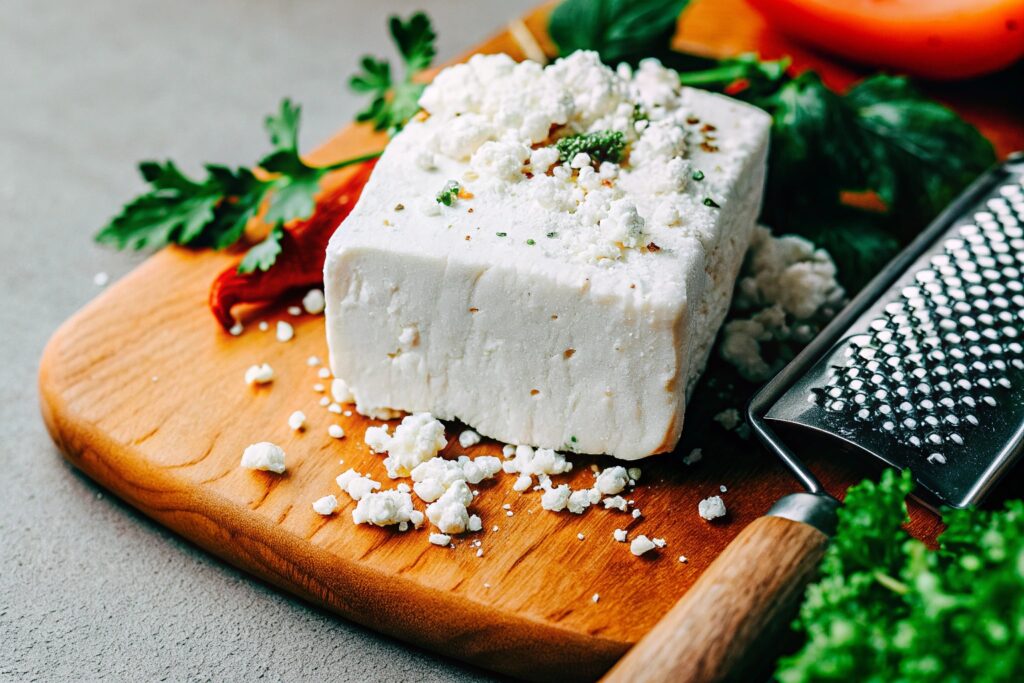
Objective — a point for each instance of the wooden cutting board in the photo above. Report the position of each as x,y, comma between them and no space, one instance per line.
144,393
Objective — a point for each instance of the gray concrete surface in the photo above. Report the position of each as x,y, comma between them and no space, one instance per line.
88,588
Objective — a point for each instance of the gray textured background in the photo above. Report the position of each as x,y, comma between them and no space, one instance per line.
88,588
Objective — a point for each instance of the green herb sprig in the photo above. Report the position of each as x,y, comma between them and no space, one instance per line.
214,211
888,608
449,193
394,101
603,145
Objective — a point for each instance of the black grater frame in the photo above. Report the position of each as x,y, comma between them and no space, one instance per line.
826,342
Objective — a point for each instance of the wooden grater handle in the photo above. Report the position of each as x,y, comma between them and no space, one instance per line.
724,625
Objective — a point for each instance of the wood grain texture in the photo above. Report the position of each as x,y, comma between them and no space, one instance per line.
733,612
144,393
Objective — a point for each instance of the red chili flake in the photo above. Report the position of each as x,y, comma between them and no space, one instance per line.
653,247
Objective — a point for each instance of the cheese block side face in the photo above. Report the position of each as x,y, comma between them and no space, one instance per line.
563,295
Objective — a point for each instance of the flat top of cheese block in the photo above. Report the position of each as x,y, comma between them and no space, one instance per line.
489,132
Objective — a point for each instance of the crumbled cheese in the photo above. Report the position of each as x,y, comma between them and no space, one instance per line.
479,553
324,401
386,508
297,420
693,456
448,513
612,480
336,431
334,408
556,499
620,535
440,539
475,523
323,373
508,450
314,302
729,419
259,374
659,542
468,438
327,505
294,311
434,476
788,291
312,361
640,545
580,536
264,456
578,501
615,503
236,329
263,326
377,438
285,331
341,391
529,462
319,388
636,514
416,440
722,488
595,597
682,558
356,485
711,508
100,279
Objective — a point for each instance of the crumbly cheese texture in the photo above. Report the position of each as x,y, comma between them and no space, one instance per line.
264,456
557,302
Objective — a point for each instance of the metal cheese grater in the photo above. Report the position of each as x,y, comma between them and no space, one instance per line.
925,368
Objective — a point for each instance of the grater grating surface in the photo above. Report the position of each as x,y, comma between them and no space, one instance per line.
927,369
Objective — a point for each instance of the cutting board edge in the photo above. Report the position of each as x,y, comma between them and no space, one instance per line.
482,635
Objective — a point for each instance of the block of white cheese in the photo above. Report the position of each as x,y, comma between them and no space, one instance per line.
546,253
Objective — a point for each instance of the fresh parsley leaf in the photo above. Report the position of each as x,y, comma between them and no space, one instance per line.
449,193
887,608
393,102
602,145
263,255
619,30
215,211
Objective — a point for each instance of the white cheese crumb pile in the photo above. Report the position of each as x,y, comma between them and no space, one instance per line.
386,508
285,331
314,302
259,374
356,485
417,439
641,544
529,462
264,456
297,421
468,438
711,508
327,505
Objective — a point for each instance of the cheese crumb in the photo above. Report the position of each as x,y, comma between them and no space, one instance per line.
634,473
377,438
356,485
580,536
636,514
334,408
449,513
729,419
693,456
417,439
285,331
440,539
314,302
323,373
312,361
264,456
722,488
660,542
297,420
319,388
595,597
236,330
556,499
529,462
264,326
468,438
620,535
386,508
640,545
615,503
711,508
336,431
259,374
682,558
294,311
612,480
475,523
100,279
326,505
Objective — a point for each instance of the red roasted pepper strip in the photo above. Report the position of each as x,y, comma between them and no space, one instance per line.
301,261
